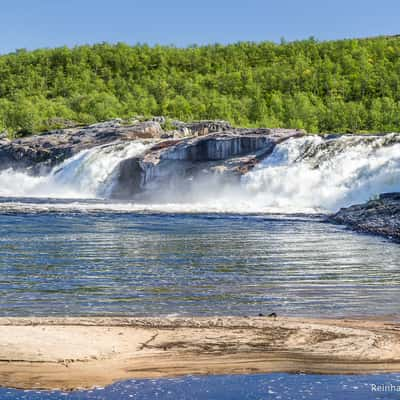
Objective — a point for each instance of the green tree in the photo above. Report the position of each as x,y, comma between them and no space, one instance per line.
331,86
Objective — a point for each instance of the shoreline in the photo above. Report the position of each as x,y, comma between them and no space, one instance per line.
80,353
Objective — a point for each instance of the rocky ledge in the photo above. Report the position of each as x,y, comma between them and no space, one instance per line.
41,152
223,155
183,153
380,216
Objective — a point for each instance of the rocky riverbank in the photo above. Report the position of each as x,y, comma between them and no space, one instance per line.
379,216
71,353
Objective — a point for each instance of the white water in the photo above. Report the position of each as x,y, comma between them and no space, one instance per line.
309,174
338,173
82,176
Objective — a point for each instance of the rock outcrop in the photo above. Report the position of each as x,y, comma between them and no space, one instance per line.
200,128
190,151
39,153
380,216
227,154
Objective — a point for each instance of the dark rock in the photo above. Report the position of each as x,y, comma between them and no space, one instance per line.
161,120
394,196
380,216
129,179
226,155
271,315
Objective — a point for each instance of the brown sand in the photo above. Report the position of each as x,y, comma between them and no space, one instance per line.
71,353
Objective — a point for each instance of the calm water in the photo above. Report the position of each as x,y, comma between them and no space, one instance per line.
115,263
248,387
55,260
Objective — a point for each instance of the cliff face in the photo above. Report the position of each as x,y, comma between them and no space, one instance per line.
217,147
227,154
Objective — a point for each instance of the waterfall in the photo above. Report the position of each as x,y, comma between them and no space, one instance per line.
308,174
85,175
314,174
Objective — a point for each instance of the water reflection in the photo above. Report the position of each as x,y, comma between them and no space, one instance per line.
159,264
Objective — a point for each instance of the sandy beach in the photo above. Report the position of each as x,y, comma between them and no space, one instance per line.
72,353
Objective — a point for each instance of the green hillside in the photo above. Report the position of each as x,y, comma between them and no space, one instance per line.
337,86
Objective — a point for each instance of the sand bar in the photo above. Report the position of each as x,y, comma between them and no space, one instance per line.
72,353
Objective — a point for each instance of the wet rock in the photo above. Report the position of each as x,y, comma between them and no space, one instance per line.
213,148
380,216
130,179
226,155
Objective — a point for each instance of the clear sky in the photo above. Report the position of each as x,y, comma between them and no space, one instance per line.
47,23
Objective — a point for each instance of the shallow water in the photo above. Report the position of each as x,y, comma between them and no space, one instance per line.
234,387
118,263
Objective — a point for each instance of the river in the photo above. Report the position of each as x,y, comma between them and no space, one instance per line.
261,247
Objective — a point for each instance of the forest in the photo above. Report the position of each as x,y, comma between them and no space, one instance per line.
333,86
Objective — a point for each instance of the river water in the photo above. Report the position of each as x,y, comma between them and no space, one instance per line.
137,264
234,387
56,260
262,246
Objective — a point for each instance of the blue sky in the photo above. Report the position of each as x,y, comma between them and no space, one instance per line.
47,23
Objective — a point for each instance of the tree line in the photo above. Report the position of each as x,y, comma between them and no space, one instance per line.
335,86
